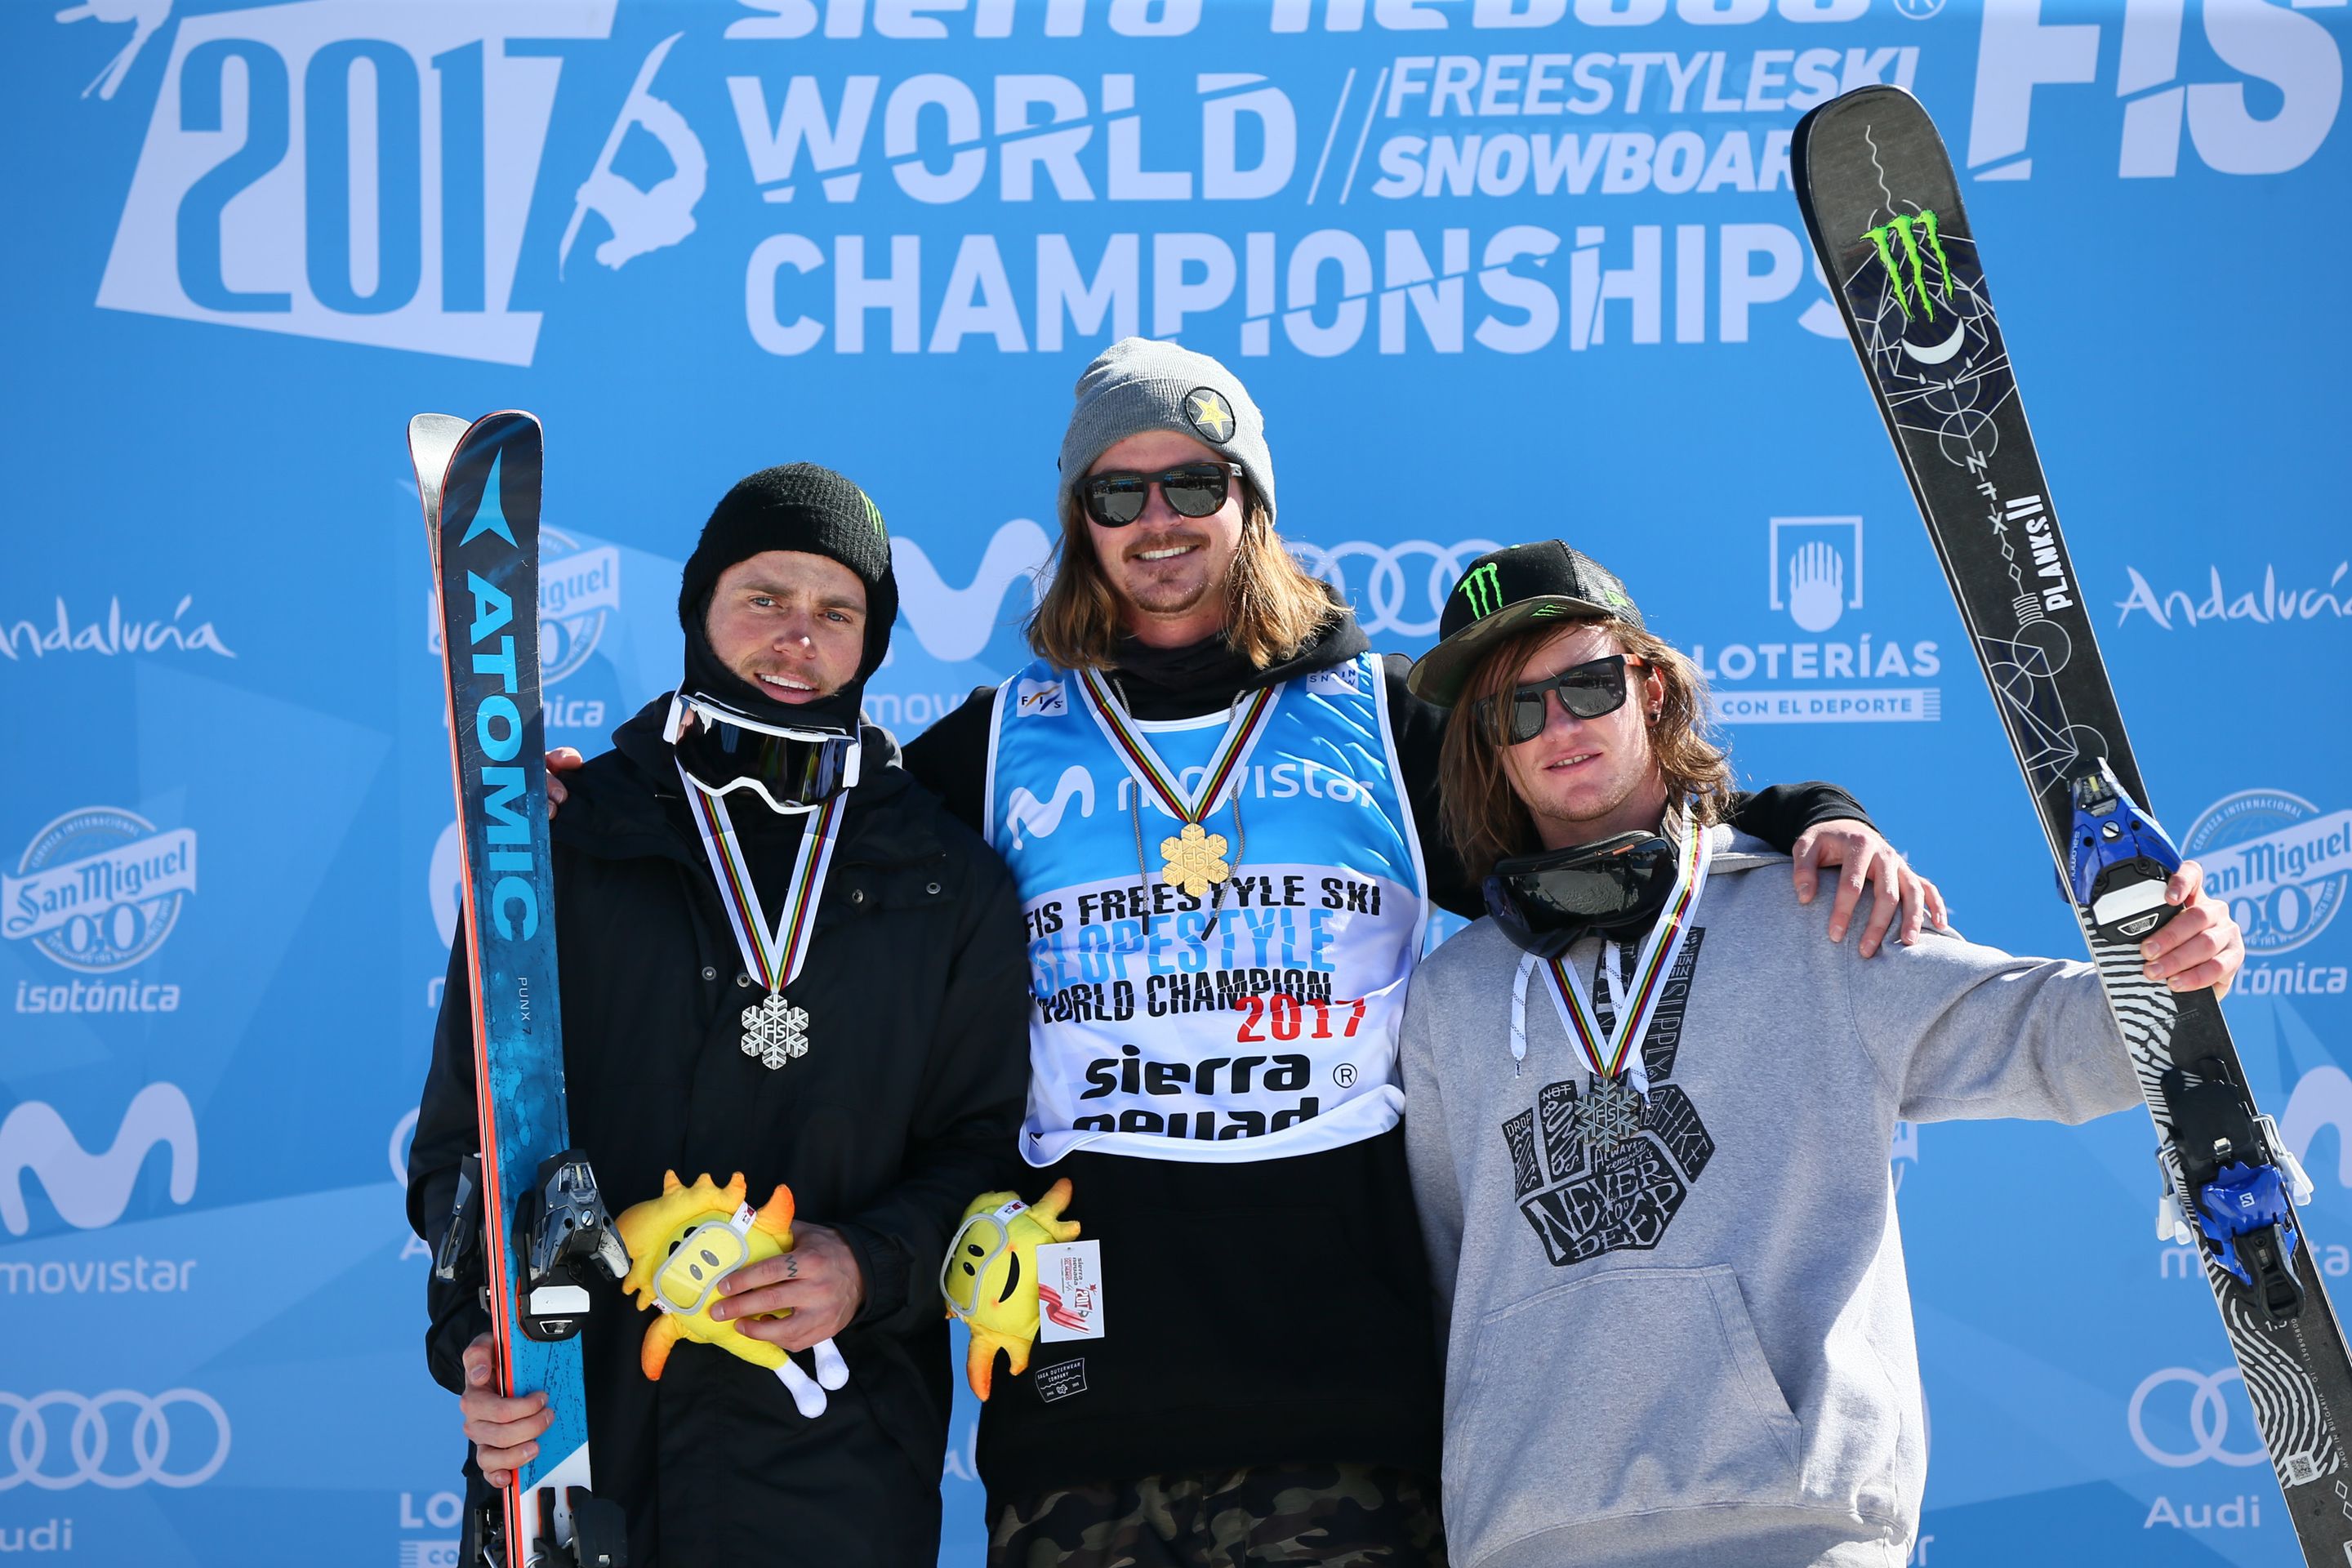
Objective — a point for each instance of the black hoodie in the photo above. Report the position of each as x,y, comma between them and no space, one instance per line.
1271,1312
905,1105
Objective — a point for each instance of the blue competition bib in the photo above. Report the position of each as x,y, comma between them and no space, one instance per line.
1258,1019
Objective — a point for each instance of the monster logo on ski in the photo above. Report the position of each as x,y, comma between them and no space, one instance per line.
1882,209
528,1222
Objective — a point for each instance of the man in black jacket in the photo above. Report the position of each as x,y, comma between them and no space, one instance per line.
1212,1035
885,1090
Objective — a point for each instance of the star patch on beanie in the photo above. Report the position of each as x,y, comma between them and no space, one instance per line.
1141,384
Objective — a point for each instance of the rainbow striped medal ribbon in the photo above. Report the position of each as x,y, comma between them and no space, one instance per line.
1192,859
776,1031
1619,1073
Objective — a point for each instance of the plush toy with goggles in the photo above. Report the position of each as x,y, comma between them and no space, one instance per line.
687,1240
988,1277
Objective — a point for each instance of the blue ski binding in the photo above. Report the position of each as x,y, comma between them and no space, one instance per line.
2118,860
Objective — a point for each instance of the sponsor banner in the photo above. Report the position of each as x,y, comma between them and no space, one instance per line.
1494,270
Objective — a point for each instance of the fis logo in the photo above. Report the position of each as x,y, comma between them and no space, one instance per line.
1903,262
2233,128
1482,590
98,889
90,1190
1042,699
247,210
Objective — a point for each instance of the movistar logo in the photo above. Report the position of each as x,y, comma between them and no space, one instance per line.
1908,232
1483,588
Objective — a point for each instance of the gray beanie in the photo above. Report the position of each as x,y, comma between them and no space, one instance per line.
1141,383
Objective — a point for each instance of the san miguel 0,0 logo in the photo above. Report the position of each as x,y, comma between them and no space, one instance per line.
98,890
2284,865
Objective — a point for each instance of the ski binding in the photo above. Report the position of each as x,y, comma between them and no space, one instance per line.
561,1228
2245,1182
2119,858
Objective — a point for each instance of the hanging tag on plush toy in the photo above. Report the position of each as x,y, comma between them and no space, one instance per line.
1069,1291
989,1276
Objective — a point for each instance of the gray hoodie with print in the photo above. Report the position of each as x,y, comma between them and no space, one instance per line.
1701,1351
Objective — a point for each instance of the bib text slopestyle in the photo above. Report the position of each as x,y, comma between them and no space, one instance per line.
1198,1018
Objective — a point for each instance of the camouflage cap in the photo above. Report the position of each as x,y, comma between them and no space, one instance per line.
1506,589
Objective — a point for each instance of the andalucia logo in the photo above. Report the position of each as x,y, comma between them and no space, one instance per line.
1899,245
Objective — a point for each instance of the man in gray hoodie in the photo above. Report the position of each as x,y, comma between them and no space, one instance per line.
1648,1110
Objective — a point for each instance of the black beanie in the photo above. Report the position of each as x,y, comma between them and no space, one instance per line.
801,507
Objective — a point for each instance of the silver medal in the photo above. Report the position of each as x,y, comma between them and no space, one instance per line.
1610,1114
776,1031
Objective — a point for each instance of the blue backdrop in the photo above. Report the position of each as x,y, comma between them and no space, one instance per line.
1496,269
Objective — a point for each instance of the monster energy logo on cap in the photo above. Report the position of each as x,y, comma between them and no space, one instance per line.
874,515
1483,587
1908,232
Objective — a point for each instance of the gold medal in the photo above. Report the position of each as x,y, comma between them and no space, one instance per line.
1195,859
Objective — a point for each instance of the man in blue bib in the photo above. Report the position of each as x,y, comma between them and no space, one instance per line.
1220,811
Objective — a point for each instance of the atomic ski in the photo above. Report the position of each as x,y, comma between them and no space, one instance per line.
1883,206
528,1222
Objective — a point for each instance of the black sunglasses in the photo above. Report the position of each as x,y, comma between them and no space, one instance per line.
1586,691
1194,490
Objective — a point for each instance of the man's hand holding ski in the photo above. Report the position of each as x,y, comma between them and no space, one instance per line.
504,1431
2201,946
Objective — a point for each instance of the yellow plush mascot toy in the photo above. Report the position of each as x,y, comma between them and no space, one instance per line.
687,1240
989,1276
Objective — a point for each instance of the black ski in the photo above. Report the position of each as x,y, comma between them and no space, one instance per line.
1883,206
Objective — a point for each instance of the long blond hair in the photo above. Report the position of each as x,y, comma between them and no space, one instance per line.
1275,607
1483,817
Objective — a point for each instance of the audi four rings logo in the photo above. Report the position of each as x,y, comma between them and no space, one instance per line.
88,1439
2209,1419
1388,583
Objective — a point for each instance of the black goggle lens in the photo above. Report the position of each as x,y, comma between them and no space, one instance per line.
794,770
1115,500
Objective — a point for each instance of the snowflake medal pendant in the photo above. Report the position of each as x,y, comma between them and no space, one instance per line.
1195,859
1611,1115
776,1031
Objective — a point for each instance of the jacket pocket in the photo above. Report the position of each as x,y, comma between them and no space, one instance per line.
1630,1391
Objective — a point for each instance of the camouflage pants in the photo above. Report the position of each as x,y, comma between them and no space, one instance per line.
1344,1515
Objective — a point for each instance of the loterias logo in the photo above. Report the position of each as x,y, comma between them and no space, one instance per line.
1814,575
99,890
90,1191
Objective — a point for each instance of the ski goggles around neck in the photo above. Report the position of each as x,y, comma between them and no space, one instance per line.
1615,888
1193,489
721,750
1586,690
